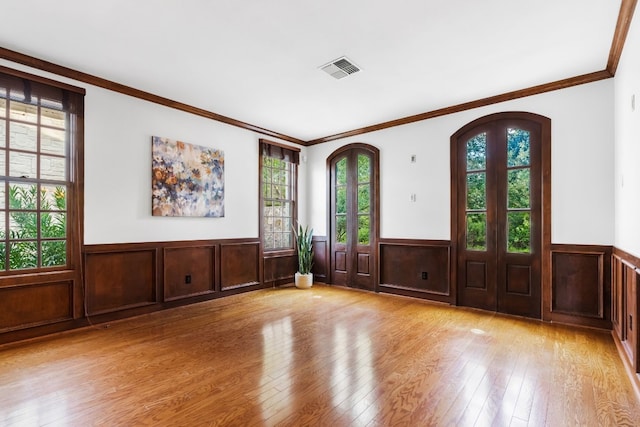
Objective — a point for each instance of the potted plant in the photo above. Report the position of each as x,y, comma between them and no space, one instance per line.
304,277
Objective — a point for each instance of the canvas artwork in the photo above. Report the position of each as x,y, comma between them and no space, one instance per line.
187,179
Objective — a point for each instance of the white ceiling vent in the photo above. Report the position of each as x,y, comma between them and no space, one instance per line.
340,68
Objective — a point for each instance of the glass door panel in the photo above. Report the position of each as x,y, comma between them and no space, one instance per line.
476,191
518,166
341,201
364,199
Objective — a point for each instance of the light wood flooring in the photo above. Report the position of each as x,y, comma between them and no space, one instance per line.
324,356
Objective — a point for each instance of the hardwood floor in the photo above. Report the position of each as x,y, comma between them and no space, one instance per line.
324,356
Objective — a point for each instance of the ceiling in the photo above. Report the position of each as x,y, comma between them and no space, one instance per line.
258,61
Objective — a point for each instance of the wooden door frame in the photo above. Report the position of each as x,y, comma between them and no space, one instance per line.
545,256
375,220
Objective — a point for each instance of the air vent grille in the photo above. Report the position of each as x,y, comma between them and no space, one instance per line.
340,68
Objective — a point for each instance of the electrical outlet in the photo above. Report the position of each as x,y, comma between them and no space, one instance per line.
187,279
425,275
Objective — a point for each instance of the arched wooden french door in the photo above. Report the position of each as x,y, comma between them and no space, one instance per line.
500,213
353,184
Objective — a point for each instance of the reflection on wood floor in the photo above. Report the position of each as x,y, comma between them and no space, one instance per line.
324,356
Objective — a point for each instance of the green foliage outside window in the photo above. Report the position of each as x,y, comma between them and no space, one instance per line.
518,192
477,231
476,191
24,230
364,228
519,232
518,147
477,152
362,202
364,168
341,229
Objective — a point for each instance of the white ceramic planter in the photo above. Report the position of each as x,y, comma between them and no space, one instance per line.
304,281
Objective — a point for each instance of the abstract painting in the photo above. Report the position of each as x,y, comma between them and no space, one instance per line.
187,179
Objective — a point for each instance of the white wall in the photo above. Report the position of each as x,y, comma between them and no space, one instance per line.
627,144
582,168
118,131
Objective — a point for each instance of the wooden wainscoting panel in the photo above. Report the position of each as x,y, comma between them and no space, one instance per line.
35,305
578,284
618,308
188,271
127,279
279,269
320,259
239,264
581,285
625,311
120,279
631,311
416,268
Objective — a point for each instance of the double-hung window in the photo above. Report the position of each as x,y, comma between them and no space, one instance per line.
40,131
278,194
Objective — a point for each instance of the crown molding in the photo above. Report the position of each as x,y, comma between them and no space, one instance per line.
627,7
80,76
534,90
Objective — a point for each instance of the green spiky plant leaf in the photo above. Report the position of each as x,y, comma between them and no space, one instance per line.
304,245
